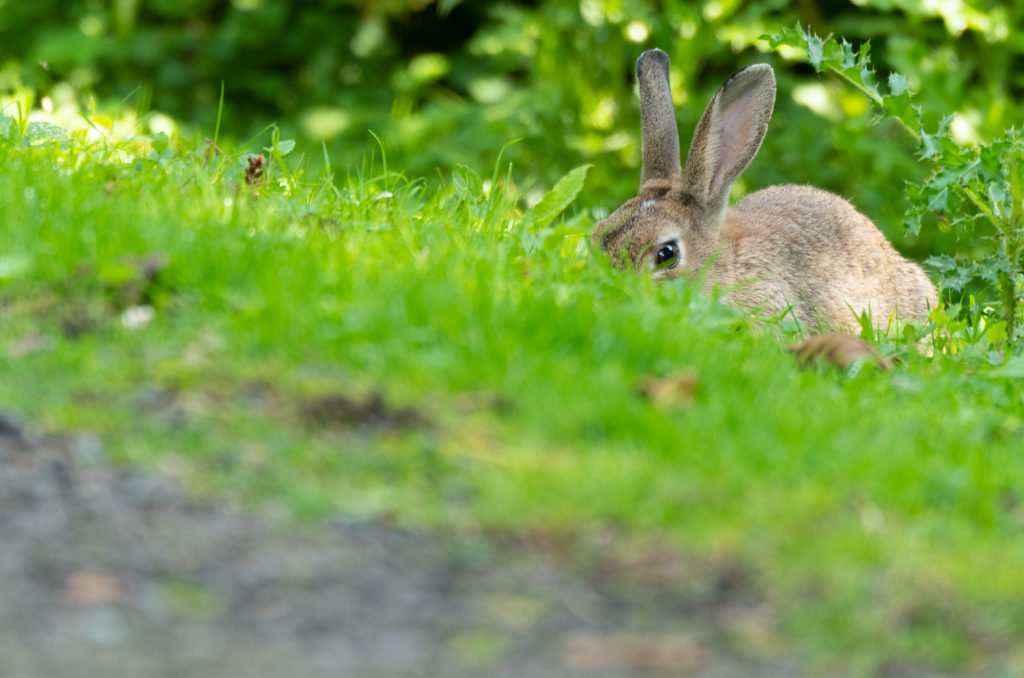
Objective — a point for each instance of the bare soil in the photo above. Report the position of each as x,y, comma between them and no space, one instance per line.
113,572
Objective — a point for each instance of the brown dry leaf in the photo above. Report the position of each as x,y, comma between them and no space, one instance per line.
838,350
678,653
674,391
89,588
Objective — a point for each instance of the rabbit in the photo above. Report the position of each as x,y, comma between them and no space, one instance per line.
783,248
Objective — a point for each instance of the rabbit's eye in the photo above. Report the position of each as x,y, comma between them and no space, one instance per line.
667,256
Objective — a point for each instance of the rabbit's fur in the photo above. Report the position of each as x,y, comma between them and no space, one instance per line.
783,247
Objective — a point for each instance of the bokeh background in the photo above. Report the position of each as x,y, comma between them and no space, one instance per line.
446,83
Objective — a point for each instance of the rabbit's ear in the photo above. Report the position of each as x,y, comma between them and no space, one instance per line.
729,134
659,133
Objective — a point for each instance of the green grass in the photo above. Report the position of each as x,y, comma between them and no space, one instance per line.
879,514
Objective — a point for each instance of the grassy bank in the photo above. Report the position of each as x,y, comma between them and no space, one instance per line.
410,350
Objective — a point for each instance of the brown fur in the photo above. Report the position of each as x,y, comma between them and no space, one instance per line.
658,116
783,247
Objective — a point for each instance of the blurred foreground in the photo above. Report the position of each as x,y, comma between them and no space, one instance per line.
110,572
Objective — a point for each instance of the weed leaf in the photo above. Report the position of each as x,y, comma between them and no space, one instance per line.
557,199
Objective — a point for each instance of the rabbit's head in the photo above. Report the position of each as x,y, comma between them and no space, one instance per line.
673,222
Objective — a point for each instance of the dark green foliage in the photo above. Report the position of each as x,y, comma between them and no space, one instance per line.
451,83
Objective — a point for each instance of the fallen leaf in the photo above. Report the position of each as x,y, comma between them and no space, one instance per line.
838,350
674,391
91,588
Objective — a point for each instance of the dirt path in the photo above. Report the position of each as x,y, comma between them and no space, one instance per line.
113,573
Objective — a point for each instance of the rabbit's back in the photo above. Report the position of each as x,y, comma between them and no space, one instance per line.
805,248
